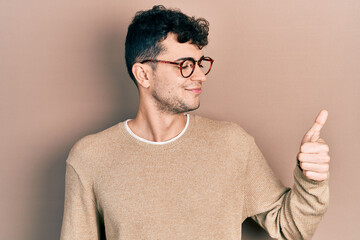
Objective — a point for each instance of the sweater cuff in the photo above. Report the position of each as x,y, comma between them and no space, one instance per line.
307,187
303,180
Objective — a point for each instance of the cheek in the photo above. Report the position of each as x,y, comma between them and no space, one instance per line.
170,85
165,89
175,86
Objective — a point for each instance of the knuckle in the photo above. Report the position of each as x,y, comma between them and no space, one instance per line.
303,148
303,165
307,173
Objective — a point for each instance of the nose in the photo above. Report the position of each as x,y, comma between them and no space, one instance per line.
198,75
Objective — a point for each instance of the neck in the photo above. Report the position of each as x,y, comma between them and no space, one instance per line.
157,126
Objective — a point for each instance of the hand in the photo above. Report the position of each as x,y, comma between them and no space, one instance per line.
313,156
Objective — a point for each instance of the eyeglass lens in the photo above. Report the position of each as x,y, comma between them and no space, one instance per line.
188,67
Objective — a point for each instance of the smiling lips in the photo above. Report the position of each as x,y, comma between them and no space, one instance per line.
195,90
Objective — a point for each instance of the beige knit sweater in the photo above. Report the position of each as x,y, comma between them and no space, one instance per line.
201,186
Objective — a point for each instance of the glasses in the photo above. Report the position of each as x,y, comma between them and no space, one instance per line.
187,65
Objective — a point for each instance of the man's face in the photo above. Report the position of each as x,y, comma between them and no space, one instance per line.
171,92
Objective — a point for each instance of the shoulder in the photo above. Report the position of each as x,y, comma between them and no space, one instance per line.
222,128
89,148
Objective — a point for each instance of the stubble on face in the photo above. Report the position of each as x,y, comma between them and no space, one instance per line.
172,104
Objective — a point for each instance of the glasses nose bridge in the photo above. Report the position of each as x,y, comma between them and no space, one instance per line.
200,73
196,63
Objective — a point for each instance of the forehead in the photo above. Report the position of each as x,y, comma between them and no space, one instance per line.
174,50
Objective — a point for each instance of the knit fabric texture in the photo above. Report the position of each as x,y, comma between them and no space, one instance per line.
201,186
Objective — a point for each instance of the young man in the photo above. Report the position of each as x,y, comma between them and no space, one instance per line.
171,175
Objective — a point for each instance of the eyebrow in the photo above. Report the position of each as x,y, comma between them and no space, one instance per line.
186,58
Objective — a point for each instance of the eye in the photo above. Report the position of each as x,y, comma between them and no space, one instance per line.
187,64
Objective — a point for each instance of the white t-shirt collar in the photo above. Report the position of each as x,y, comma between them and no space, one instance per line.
158,143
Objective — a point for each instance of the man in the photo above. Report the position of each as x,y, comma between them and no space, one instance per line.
171,175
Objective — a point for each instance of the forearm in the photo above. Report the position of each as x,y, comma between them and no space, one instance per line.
299,210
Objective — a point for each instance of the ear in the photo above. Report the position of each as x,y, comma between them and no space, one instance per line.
142,74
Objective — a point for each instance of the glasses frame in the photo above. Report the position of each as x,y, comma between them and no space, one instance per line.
180,64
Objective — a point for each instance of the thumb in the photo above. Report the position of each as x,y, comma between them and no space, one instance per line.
314,132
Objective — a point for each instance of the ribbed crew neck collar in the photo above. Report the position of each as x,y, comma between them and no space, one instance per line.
150,144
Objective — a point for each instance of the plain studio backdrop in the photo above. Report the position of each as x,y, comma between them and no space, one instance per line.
277,64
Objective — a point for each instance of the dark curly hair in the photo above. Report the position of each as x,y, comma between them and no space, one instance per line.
149,28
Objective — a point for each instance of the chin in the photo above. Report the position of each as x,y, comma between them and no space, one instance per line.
193,108
183,108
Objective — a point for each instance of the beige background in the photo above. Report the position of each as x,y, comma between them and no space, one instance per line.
277,63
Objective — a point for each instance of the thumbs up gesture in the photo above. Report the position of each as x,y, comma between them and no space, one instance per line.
313,157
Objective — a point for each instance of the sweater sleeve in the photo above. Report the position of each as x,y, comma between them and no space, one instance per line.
81,219
283,212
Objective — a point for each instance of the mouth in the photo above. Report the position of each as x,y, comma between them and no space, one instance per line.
194,90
